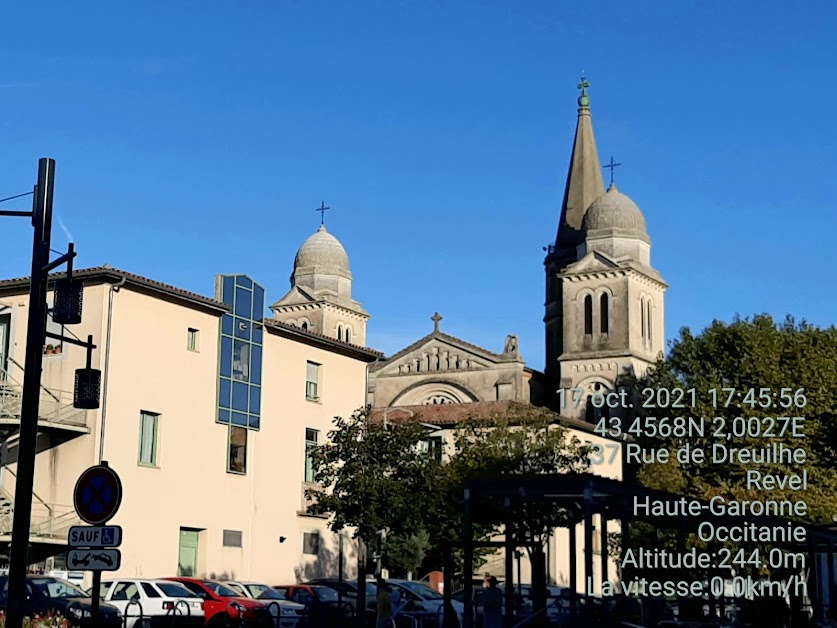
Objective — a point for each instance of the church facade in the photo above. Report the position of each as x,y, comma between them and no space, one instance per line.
604,311
603,319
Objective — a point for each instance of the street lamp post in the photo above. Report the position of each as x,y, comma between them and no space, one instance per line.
41,215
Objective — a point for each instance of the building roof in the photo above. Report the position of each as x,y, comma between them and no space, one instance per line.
322,253
584,179
449,414
326,342
613,213
108,274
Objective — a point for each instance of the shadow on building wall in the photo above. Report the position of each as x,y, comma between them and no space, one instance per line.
326,563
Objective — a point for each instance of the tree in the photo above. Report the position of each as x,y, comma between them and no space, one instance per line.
406,554
785,364
372,476
524,441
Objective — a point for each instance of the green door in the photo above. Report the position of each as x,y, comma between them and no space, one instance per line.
187,560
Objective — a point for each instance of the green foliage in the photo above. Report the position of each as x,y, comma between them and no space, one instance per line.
525,441
375,477
406,554
745,355
748,355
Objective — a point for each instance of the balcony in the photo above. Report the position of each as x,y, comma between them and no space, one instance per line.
48,529
58,420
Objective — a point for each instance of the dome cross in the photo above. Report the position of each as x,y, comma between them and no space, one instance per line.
612,165
322,209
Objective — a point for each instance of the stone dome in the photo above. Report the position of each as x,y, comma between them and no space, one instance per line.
613,213
322,253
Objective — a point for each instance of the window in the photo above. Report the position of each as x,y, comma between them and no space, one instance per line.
603,314
340,332
150,591
312,381
241,361
648,319
311,440
305,325
192,336
148,438
311,543
642,318
348,334
237,454
232,538
432,446
124,591
588,314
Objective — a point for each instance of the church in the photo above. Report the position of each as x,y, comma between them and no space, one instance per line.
604,314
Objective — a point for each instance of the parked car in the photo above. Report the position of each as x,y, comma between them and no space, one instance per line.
289,614
424,600
46,594
149,600
348,590
323,606
221,603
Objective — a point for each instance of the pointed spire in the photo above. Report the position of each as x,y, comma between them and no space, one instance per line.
584,180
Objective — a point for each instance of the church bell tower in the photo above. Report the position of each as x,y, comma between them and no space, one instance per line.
604,301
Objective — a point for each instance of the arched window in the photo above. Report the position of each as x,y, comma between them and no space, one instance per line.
305,325
603,315
340,332
642,317
348,334
648,318
590,413
588,314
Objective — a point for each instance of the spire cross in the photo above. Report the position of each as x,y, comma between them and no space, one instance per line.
322,209
583,86
612,165
436,318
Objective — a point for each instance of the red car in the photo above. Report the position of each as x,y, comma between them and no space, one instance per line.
221,602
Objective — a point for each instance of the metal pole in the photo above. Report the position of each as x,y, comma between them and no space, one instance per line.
340,576
509,534
468,567
35,335
94,595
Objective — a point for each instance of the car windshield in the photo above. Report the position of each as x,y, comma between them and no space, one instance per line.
325,594
264,592
219,589
422,590
55,588
170,589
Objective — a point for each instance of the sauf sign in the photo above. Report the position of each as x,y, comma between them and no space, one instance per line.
95,536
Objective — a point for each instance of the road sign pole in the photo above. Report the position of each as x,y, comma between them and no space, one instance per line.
35,335
94,602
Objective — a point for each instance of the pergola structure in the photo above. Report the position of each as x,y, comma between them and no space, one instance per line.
589,495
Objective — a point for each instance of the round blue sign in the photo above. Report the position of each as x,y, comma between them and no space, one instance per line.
98,494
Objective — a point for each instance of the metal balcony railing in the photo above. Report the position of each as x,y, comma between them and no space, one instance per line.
49,521
56,405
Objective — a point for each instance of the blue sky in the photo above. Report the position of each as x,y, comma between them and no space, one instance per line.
195,138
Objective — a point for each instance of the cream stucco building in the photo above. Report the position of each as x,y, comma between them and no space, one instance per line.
208,409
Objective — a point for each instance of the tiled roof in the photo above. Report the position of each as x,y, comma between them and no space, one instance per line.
113,275
321,338
448,414
442,413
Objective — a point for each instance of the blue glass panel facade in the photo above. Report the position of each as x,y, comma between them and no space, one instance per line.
240,368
